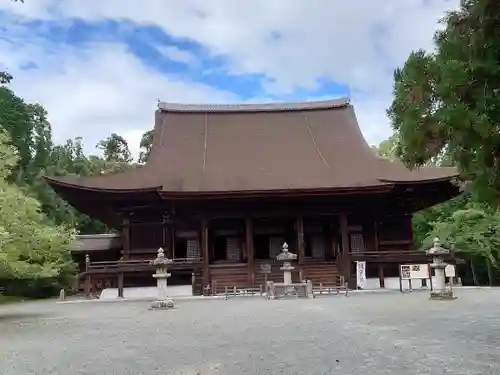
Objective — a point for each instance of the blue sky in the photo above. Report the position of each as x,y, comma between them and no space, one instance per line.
100,66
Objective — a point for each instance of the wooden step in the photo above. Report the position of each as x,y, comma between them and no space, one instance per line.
229,275
320,272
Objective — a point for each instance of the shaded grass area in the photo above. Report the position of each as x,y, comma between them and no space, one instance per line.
10,299
4,300
10,308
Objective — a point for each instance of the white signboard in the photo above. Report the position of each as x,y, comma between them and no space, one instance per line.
450,271
414,271
361,274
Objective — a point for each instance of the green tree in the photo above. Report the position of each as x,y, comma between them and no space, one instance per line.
31,247
448,103
116,154
145,145
474,233
16,119
387,148
115,148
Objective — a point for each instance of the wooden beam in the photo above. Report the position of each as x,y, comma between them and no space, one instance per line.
299,231
250,250
204,252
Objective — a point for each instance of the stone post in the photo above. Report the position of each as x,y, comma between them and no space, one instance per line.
161,263
286,257
439,292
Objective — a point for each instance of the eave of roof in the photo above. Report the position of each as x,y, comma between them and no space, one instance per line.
73,183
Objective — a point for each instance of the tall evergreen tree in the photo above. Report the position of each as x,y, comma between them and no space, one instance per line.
448,102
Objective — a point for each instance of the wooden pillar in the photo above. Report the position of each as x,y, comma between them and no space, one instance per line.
172,237
166,237
299,231
381,275
409,221
120,285
126,238
250,250
380,266
346,257
204,252
88,286
344,234
327,240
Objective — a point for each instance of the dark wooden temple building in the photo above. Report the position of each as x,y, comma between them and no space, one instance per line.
226,185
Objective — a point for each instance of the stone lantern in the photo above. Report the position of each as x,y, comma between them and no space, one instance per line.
161,263
439,292
286,257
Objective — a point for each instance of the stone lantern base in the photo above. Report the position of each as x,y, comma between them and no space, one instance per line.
166,304
444,295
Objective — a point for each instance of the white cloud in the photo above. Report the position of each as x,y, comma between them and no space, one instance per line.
98,90
293,43
174,53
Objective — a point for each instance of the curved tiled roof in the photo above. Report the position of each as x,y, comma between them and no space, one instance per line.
243,148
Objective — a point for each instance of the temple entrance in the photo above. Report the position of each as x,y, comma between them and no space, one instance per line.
269,236
186,245
226,239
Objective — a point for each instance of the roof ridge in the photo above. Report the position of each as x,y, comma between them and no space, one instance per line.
252,107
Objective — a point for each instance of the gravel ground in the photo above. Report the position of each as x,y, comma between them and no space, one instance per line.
376,334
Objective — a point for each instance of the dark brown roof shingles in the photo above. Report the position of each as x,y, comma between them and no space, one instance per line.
237,148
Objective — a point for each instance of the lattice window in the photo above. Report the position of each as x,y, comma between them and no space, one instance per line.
318,247
357,242
233,249
275,246
193,248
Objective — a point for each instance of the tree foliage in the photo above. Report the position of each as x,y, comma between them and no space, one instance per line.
30,246
473,232
447,102
471,227
387,148
116,153
146,145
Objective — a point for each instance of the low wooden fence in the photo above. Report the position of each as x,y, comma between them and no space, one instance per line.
338,287
234,291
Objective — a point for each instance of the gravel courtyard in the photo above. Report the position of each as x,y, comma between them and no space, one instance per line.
366,333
